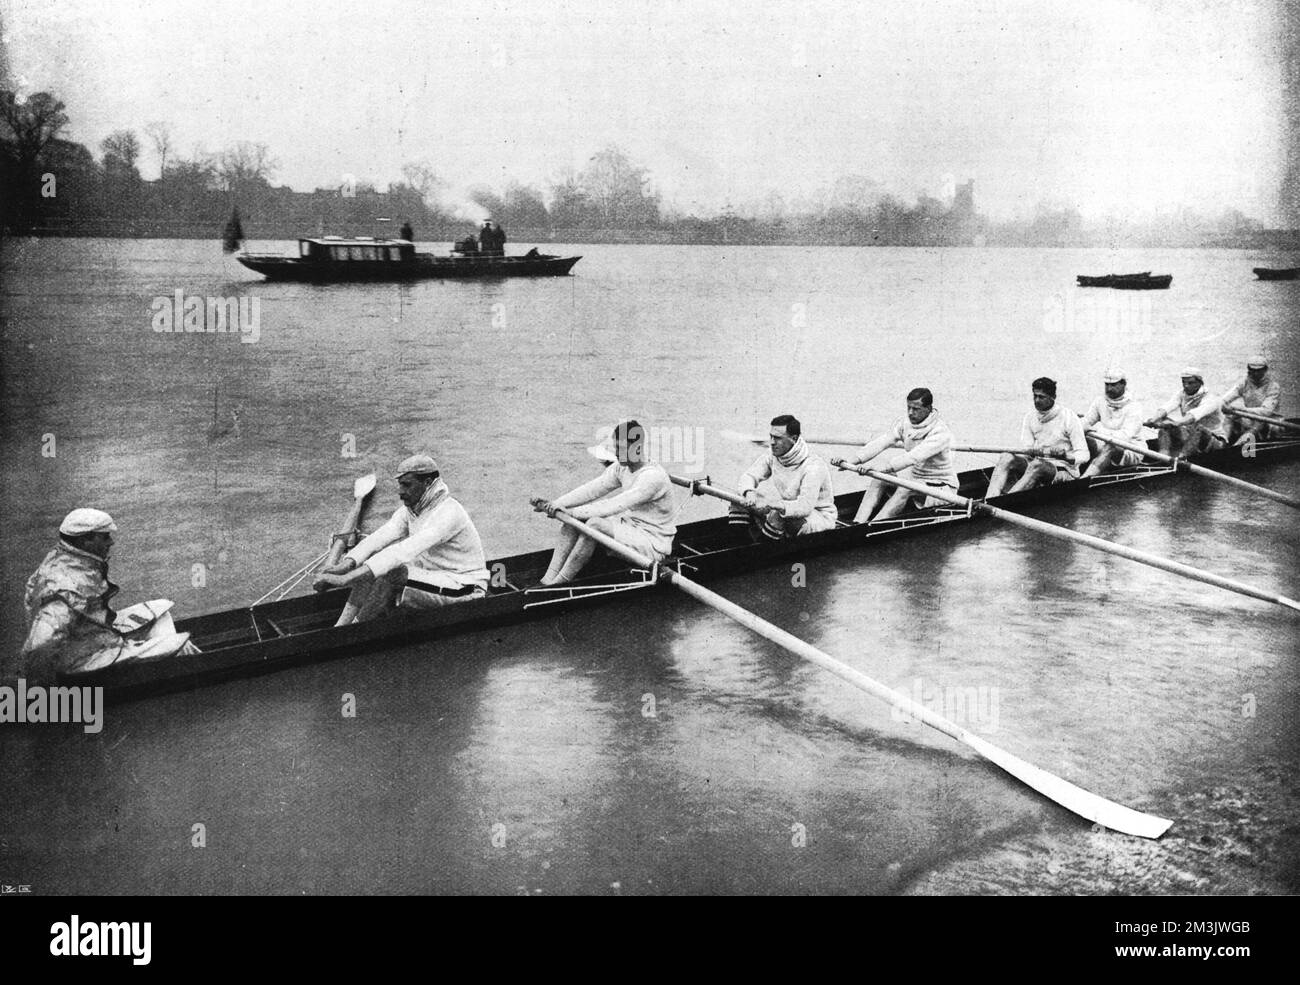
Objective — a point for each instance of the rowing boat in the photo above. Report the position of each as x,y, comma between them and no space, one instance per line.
277,635
1128,282
1276,273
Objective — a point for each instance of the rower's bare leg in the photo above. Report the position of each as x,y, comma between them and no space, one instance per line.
1037,473
379,597
1170,441
870,500
896,503
1008,469
584,549
1106,459
349,614
568,540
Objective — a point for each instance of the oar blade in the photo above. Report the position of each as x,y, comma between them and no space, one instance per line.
364,486
1097,809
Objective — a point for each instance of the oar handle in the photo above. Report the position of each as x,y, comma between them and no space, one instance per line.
995,450
1279,422
701,487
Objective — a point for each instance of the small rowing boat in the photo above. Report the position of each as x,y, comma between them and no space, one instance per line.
1276,273
333,259
294,631
1128,282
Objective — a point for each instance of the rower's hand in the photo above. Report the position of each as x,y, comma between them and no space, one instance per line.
325,581
1058,451
836,462
342,568
543,506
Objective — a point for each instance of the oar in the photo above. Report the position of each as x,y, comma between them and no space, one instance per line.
761,439
1061,533
701,487
1182,463
1277,422
755,439
1088,805
361,489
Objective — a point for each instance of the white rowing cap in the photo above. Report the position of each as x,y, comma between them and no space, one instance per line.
87,521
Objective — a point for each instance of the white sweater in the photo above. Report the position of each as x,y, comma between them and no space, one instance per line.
438,539
644,498
927,449
1060,426
805,488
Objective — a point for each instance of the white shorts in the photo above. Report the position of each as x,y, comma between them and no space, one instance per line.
638,538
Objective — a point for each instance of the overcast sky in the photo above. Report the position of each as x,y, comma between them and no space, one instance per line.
1109,105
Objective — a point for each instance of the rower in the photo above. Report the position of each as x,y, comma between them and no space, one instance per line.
1259,393
426,556
631,501
1191,423
1054,437
799,499
1113,415
72,625
927,457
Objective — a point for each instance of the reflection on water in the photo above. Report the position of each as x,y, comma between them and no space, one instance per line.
652,745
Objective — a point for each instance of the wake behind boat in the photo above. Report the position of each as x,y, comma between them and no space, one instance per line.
331,259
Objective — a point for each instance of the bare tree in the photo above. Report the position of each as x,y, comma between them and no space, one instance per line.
160,135
245,162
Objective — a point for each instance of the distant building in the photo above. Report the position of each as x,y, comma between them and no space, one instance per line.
963,202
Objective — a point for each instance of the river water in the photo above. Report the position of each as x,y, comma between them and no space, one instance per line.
650,746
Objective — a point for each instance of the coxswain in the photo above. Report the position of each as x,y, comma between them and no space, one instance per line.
1258,393
406,232
1191,423
926,457
1052,435
788,488
1113,415
426,556
72,625
631,501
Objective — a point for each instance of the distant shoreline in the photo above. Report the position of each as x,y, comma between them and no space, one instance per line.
1282,241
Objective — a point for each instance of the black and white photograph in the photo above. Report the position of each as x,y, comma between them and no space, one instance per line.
650,449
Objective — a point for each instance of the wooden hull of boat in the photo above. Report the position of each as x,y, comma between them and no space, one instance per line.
1128,282
295,631
422,267
1270,273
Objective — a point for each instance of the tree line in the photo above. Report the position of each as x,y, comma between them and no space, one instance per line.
55,186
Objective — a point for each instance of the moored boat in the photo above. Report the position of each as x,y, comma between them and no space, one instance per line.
1131,282
277,635
331,259
1276,273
